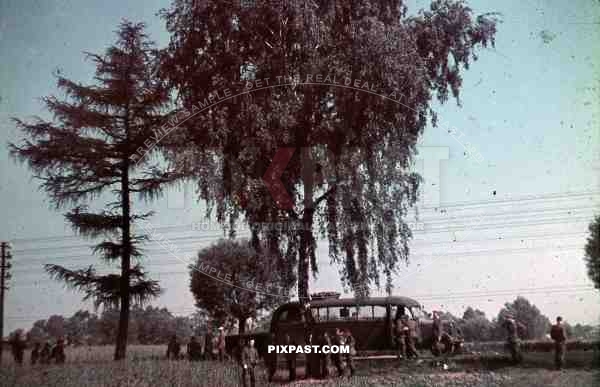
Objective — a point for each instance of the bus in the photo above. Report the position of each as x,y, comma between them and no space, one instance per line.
370,319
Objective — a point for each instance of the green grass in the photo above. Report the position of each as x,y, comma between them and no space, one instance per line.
146,366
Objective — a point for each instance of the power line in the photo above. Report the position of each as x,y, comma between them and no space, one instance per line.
541,197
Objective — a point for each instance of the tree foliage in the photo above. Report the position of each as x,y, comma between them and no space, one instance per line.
230,280
87,150
348,178
592,252
537,325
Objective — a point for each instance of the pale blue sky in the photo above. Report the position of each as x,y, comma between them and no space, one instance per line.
530,108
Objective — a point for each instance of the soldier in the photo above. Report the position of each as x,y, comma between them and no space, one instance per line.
559,335
349,357
437,332
221,344
194,350
208,345
290,358
399,338
271,358
58,352
249,361
312,359
18,348
409,333
512,340
173,348
323,368
338,340
35,354
45,354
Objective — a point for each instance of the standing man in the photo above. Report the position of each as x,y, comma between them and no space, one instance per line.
324,340
35,353
512,340
194,350
338,340
349,357
221,344
249,361
399,338
58,352
208,345
45,354
271,358
18,348
173,348
437,334
290,358
409,332
559,335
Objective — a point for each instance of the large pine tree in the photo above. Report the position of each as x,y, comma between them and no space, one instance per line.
88,150
362,142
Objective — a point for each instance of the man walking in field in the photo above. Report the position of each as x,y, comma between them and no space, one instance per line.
194,350
437,332
338,340
18,348
349,357
249,361
559,335
35,353
513,342
173,348
221,344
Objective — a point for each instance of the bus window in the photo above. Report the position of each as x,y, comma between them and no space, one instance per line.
364,312
379,312
400,311
338,313
319,314
417,312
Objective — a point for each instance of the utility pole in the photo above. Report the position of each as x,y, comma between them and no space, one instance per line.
4,276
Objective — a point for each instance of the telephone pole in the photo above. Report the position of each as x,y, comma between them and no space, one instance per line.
4,277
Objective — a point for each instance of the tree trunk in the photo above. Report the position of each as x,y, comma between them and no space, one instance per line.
121,347
306,235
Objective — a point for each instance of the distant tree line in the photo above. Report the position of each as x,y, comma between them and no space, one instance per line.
475,326
152,325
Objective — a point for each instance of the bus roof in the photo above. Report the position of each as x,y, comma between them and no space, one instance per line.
392,300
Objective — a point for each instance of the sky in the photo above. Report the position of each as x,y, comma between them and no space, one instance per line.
512,221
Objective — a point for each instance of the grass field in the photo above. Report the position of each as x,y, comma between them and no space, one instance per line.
92,366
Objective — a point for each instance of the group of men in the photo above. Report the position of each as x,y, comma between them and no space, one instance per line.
557,334
317,362
45,354
206,347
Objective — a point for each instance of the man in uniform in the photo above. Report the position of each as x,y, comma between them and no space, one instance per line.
338,340
290,358
221,344
45,354
194,350
18,348
35,353
559,335
437,332
58,352
208,345
399,338
323,357
311,367
173,348
512,340
271,358
349,356
249,361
